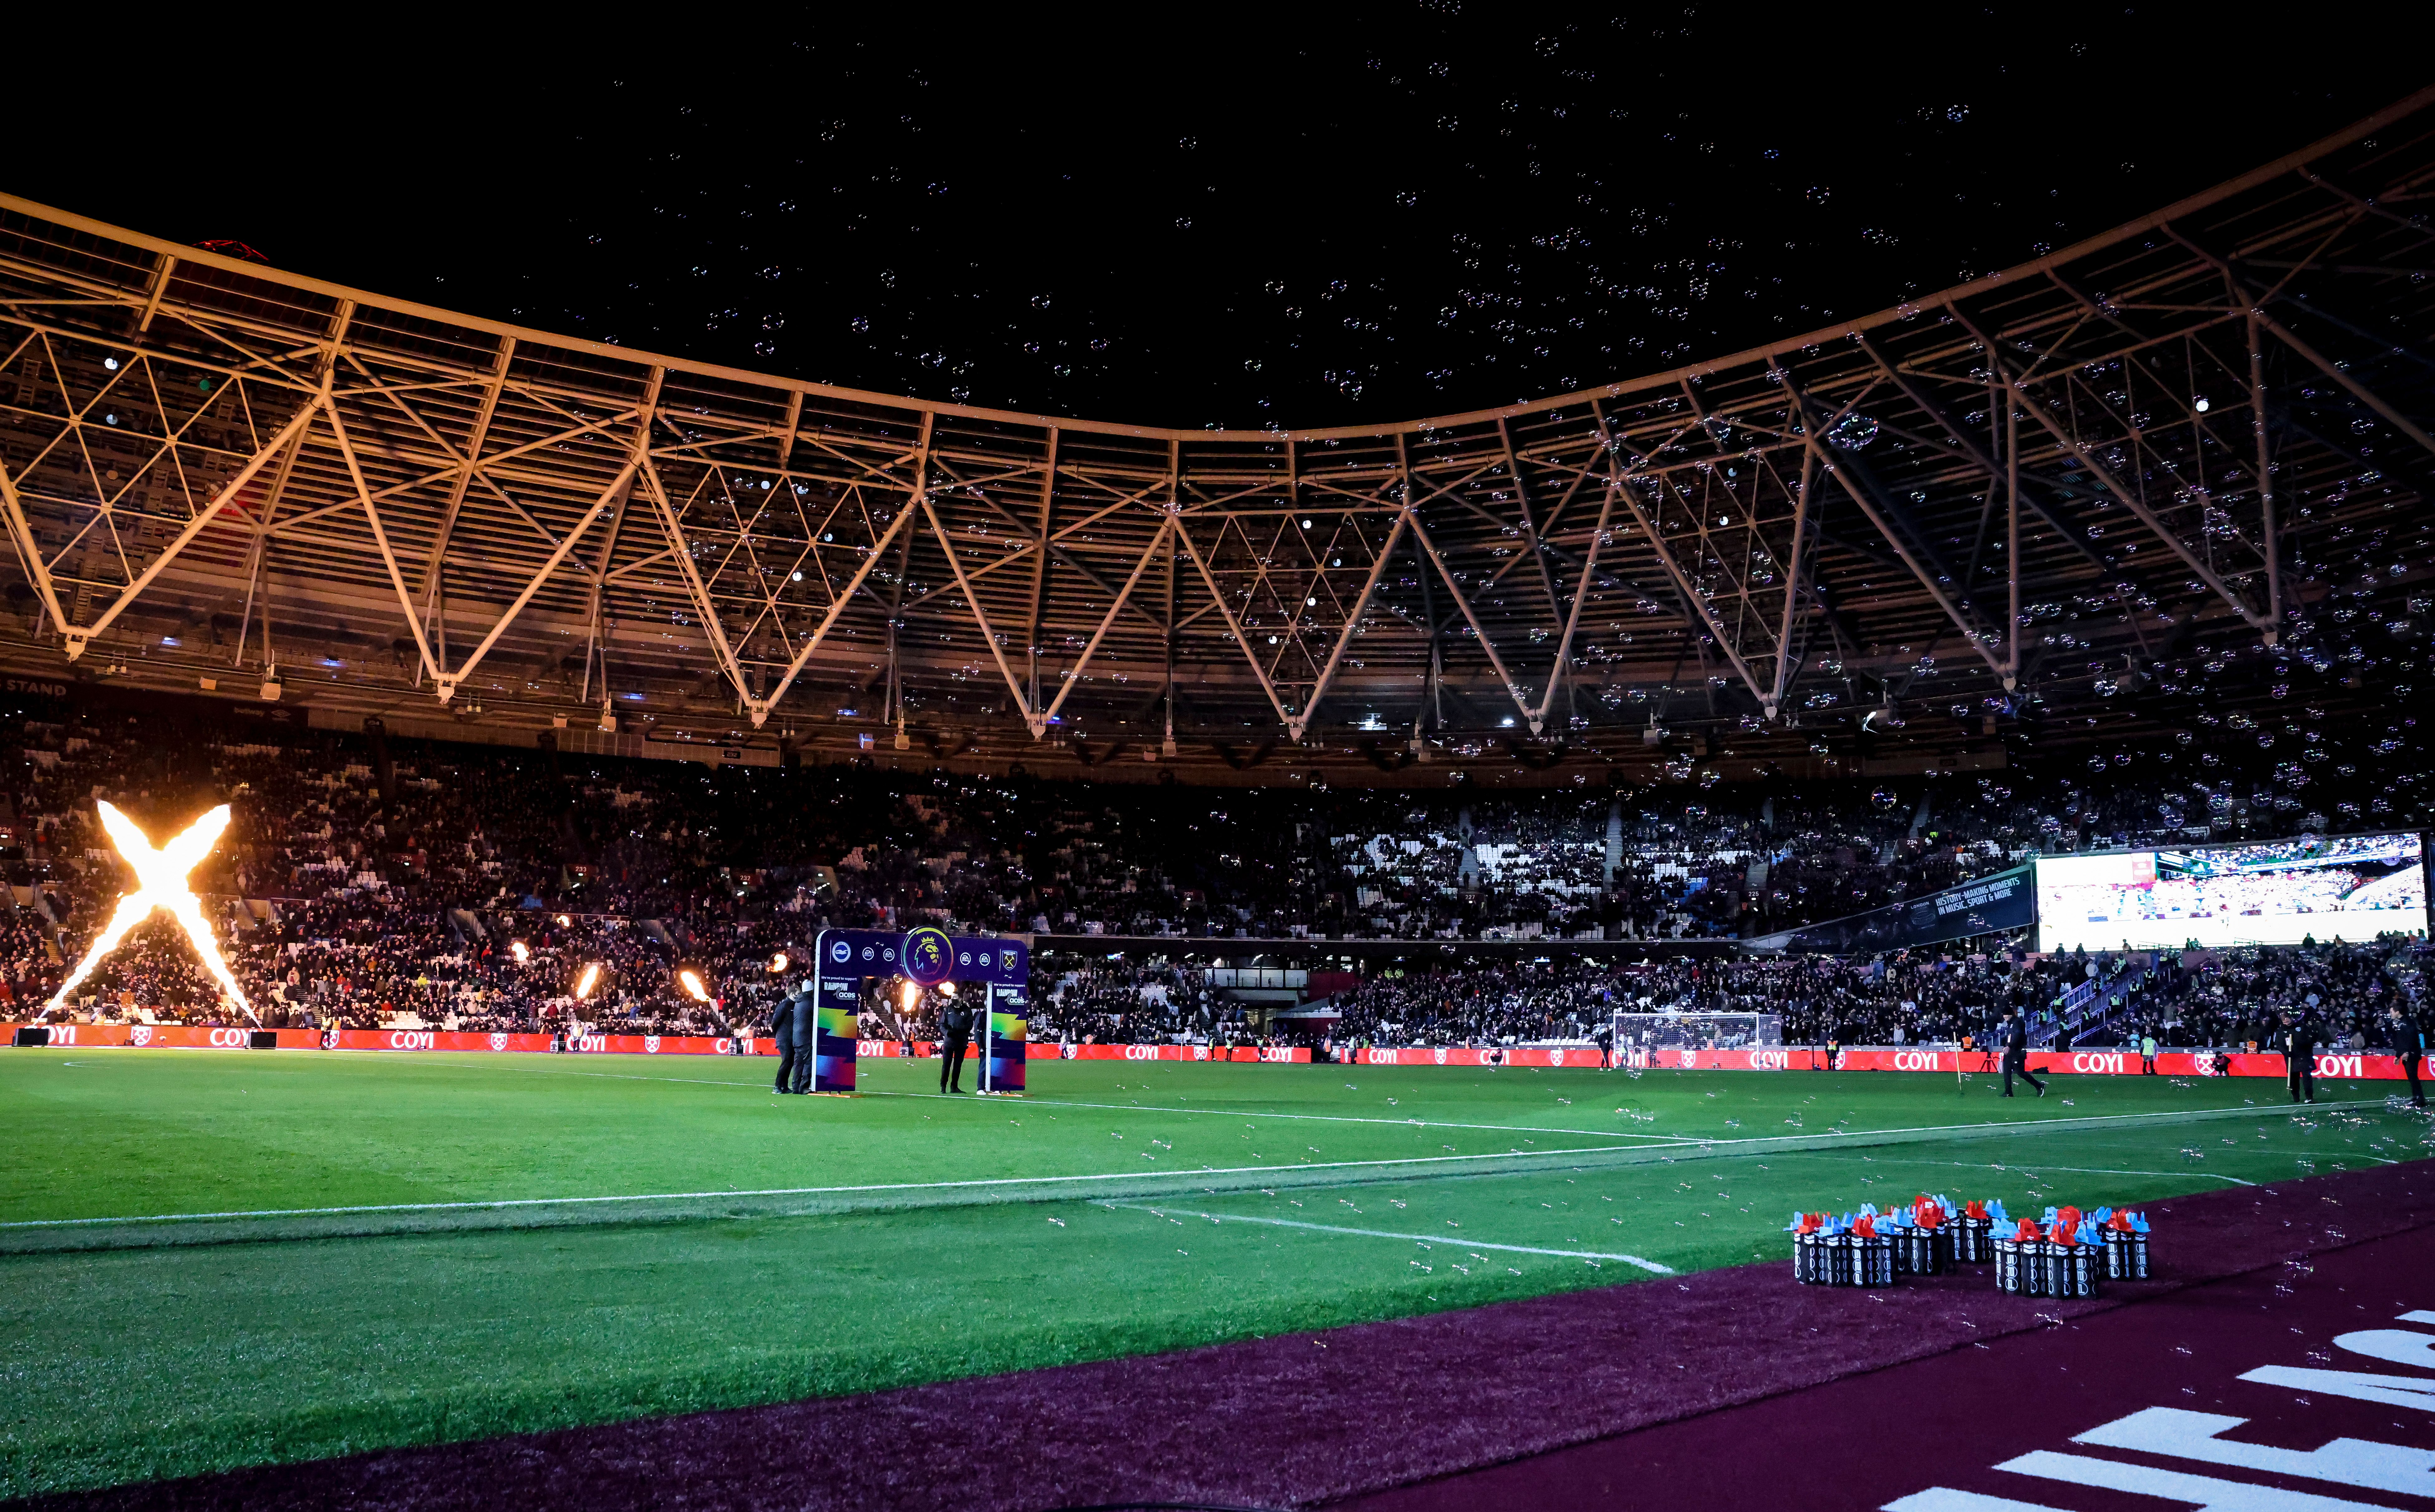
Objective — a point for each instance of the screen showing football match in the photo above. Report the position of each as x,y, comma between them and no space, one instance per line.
2277,892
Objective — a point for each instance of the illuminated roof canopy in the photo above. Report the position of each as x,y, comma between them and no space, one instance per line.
462,510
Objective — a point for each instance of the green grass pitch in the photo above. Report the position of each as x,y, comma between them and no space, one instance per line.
211,1258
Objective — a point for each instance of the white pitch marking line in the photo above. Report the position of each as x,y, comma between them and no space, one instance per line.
1323,1118
1708,1143
1667,1140
1650,1265
793,1191
2077,1171
1019,1181
1673,1141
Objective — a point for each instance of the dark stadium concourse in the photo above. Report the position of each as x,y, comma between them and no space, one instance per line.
1506,692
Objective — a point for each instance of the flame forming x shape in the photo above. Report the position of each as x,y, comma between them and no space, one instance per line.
161,883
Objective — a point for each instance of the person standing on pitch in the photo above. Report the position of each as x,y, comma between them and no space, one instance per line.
2298,1041
2409,1043
2147,1052
957,1021
805,1019
2015,1034
782,1024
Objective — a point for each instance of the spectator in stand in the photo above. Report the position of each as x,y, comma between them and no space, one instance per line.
362,888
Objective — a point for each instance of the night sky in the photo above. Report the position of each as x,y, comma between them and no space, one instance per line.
1254,220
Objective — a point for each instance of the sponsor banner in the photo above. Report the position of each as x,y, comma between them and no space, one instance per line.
640,1044
1763,1058
176,1036
79,1033
832,1046
461,1040
2331,1065
2005,900
184,1037
1272,1054
2344,1065
433,1039
1497,1055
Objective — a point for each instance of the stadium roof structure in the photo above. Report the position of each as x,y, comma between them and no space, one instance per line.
208,464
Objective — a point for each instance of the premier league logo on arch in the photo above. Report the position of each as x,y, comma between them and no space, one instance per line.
930,955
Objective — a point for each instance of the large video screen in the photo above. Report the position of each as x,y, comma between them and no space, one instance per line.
2354,887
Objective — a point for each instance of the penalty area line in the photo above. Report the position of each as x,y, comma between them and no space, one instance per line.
1650,1265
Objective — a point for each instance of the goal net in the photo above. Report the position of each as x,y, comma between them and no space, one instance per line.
1697,1031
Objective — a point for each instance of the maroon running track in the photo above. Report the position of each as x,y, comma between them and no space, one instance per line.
1766,1394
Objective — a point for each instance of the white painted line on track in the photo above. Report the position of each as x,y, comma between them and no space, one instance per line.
1650,1265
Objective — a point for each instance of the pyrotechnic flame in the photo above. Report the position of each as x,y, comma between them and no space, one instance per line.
517,947
912,996
693,985
778,962
591,979
160,882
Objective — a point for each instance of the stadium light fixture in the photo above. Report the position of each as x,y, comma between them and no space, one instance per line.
589,980
160,883
693,986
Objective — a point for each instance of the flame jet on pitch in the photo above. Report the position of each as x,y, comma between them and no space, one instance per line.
160,882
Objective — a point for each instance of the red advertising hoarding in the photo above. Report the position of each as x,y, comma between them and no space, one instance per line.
2333,1065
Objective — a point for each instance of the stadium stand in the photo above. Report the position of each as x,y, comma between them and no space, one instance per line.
418,885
